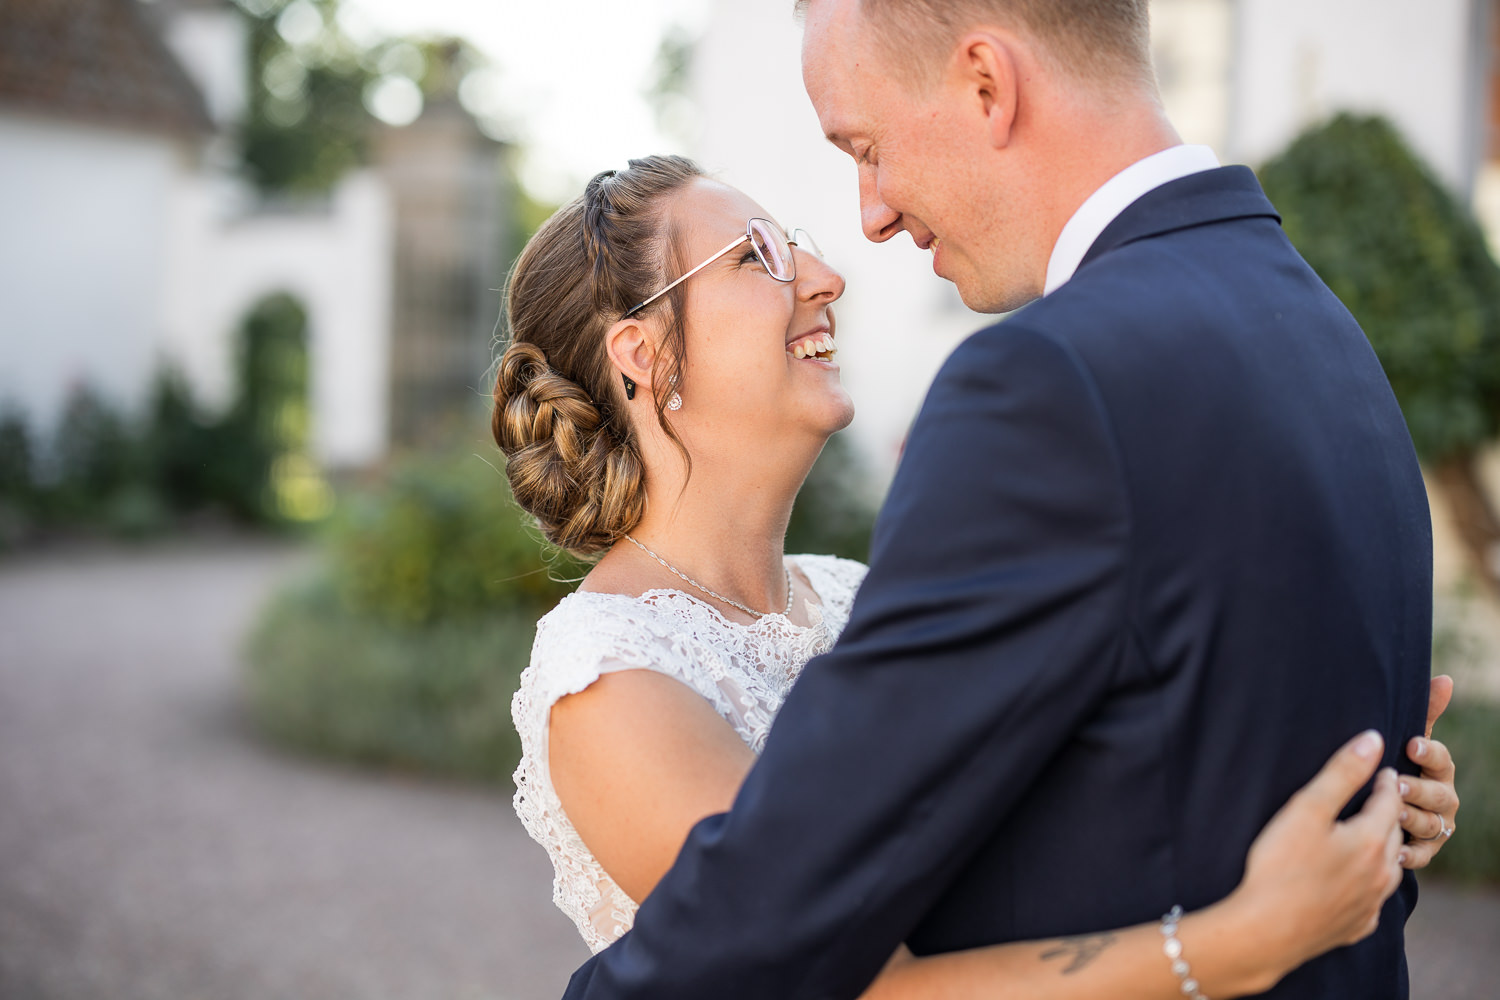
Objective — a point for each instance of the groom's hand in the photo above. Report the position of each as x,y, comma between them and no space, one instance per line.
1328,878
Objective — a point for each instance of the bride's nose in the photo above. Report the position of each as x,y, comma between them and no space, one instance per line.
816,279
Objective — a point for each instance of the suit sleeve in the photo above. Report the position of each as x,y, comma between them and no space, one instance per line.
989,628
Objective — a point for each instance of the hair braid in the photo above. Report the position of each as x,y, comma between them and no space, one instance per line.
571,456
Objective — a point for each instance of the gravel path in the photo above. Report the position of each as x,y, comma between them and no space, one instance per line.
151,848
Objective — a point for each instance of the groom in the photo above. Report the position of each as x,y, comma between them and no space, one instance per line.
1158,543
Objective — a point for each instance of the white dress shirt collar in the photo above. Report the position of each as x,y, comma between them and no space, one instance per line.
1116,195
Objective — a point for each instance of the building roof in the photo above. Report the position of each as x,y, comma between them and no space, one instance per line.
96,60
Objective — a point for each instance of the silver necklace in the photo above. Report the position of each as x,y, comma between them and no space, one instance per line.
716,596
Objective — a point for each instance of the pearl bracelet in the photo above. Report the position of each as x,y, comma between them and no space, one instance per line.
1172,948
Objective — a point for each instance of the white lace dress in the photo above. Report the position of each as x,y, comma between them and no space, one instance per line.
744,671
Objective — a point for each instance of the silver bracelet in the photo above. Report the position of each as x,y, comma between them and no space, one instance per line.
1172,948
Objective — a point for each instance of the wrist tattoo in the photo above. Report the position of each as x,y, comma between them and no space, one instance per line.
1078,951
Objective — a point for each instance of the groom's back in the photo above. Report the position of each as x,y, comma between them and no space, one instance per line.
1280,565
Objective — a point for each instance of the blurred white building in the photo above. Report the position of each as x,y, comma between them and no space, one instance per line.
1243,76
128,241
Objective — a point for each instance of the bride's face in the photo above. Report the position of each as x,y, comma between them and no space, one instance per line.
743,383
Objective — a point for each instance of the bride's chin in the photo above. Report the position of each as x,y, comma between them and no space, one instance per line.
842,415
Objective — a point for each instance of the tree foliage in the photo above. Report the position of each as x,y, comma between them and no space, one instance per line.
306,124
1410,262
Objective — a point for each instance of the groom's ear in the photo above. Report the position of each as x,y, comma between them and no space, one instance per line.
987,72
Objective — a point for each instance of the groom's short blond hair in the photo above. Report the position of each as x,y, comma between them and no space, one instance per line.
1100,41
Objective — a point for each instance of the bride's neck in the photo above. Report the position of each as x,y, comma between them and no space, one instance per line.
725,525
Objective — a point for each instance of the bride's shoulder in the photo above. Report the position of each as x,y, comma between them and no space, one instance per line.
586,619
590,631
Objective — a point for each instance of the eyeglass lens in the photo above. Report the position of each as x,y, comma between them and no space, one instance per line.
771,245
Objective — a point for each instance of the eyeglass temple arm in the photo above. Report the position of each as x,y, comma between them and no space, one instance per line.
637,308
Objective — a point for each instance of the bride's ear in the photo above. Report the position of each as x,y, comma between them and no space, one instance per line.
632,351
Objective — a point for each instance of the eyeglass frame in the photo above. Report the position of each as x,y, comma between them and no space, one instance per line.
749,234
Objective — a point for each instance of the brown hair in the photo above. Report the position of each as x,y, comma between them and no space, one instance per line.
559,417
1094,40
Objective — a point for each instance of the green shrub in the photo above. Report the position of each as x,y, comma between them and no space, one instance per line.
442,540
17,477
834,513
93,455
436,698
1471,729
407,648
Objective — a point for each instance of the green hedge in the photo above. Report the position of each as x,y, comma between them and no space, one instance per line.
441,540
1471,729
436,698
406,646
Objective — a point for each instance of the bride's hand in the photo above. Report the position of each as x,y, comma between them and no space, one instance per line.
1431,799
1313,882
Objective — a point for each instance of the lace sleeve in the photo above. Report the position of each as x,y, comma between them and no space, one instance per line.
583,638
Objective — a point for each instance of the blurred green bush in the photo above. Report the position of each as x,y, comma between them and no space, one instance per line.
835,511
441,540
329,681
405,648
140,475
1471,729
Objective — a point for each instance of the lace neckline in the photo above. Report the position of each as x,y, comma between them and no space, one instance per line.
646,598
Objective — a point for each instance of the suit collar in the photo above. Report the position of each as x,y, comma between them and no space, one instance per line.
1196,200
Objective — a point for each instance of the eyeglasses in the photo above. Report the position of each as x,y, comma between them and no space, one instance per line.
772,246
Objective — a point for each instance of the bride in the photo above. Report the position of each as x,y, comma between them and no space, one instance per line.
666,427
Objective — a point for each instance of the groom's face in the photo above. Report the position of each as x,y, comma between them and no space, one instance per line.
924,160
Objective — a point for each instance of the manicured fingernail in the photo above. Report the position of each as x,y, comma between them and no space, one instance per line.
1403,856
1405,815
1368,745
1421,748
1405,789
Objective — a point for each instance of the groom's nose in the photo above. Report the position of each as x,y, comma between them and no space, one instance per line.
879,221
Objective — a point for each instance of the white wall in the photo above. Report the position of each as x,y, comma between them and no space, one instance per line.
897,320
82,261
117,255
212,45
336,262
1299,61
1192,44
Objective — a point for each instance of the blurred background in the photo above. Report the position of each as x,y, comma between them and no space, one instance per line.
263,595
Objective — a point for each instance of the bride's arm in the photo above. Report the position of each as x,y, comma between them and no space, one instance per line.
638,758
1311,884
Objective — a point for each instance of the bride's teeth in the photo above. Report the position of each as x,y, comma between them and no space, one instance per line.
799,352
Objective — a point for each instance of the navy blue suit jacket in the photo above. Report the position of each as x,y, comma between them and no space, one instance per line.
1157,546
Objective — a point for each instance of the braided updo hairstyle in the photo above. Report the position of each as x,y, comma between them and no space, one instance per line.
559,417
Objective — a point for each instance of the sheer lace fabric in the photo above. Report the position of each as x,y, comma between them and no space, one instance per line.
744,672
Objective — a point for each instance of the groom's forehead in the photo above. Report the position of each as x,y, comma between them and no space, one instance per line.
840,68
